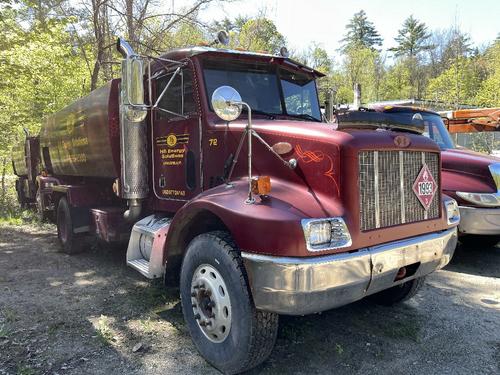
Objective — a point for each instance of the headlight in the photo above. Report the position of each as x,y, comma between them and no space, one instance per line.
452,211
481,199
326,234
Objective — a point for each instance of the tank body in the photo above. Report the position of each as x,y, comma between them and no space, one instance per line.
83,139
19,159
26,157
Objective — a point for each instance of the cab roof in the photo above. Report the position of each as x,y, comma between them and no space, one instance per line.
182,53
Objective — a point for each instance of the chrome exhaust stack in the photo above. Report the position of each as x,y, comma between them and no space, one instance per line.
133,143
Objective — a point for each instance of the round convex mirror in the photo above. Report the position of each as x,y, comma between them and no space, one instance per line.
223,37
222,103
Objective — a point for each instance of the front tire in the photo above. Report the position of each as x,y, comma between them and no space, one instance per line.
71,243
227,329
398,293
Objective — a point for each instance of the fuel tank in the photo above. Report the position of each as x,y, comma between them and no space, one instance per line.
83,139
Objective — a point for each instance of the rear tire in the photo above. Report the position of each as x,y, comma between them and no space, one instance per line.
21,197
71,243
398,293
241,337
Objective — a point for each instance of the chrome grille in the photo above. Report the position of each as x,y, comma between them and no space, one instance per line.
386,188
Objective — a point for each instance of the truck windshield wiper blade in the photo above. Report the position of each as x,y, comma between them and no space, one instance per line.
259,112
304,116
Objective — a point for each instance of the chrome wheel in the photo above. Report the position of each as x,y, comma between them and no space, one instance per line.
211,303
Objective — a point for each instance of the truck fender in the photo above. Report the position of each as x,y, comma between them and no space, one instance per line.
269,226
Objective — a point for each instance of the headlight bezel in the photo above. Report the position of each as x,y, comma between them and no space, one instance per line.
336,224
480,199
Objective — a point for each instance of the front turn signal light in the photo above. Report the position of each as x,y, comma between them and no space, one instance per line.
261,185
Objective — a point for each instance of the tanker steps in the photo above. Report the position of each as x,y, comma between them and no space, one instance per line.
145,248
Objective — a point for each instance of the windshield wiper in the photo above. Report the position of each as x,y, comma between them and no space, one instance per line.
304,116
271,116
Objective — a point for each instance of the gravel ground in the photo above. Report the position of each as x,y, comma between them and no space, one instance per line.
86,314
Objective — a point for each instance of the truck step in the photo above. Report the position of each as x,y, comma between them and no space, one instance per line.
146,245
141,265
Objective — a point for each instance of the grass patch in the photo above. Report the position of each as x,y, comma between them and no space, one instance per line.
408,329
18,217
4,331
25,370
54,327
339,349
147,325
104,332
10,315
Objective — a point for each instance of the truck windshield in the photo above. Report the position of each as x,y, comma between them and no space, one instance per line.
435,129
266,88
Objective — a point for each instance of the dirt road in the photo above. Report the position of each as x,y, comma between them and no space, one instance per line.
86,314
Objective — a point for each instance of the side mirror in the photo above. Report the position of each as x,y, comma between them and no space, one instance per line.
223,37
226,102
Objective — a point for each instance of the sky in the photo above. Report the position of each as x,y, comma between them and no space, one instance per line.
323,21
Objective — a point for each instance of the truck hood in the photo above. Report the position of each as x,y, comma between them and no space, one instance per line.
467,161
326,156
468,171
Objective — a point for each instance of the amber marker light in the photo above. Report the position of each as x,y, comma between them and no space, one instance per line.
261,185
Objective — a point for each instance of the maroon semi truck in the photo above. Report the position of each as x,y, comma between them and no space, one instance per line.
217,167
470,177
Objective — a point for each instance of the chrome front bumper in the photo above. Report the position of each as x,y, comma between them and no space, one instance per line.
479,220
299,286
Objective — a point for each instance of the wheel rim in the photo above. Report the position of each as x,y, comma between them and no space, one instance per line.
211,303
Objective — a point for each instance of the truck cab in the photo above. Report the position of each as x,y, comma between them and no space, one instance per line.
219,168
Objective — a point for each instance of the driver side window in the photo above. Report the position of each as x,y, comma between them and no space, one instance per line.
178,100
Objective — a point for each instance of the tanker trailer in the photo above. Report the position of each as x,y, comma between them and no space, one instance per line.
82,139
26,166
79,147
95,166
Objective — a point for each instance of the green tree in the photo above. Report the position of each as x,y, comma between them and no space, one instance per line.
260,34
359,65
396,83
412,39
458,84
488,93
361,33
317,58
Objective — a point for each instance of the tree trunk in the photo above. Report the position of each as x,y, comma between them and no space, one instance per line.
4,188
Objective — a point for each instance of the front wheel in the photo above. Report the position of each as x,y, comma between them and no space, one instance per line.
398,293
227,329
